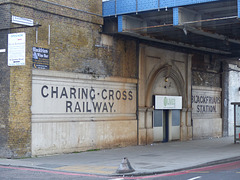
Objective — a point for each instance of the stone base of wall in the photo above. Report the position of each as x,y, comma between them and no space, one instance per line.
66,137
204,128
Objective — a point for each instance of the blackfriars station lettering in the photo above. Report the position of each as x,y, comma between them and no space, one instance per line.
87,100
206,99
206,104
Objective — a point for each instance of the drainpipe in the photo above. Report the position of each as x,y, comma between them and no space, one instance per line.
115,8
158,5
136,6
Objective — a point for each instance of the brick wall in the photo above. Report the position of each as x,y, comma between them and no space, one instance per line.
75,46
206,71
93,6
4,80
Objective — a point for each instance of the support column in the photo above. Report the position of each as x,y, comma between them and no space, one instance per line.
183,127
189,124
225,96
142,109
189,99
149,125
175,17
120,23
238,6
142,131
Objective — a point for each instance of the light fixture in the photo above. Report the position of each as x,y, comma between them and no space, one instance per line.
166,79
185,31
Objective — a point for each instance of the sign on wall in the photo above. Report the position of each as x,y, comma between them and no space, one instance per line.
77,96
16,49
84,99
21,20
206,102
40,58
168,102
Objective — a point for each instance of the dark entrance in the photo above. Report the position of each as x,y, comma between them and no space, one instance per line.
165,125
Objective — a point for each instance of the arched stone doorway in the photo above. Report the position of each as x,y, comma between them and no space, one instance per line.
166,83
166,77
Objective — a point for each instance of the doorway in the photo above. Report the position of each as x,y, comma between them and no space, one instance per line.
166,125
166,118
161,127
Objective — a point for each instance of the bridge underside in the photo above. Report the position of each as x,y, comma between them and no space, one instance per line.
211,27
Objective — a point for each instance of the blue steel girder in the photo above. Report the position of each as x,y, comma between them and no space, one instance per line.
121,7
213,24
238,4
175,16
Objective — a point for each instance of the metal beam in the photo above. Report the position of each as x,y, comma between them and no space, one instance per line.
179,44
217,9
175,16
211,35
186,26
126,6
120,23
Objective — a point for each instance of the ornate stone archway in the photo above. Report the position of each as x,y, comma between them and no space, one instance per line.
156,66
167,71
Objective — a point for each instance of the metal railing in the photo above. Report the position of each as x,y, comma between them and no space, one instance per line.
236,121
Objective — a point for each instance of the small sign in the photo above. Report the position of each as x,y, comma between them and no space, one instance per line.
40,58
2,50
16,49
168,102
23,21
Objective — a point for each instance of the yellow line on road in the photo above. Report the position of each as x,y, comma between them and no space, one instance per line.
203,172
89,169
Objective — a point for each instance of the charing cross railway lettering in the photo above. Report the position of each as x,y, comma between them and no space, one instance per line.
87,100
206,104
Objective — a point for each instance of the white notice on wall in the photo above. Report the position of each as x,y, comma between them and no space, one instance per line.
16,49
168,102
2,50
23,21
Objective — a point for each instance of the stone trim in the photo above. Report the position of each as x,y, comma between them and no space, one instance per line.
206,88
60,10
79,76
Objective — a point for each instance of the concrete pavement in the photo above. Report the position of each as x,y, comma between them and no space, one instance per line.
149,159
